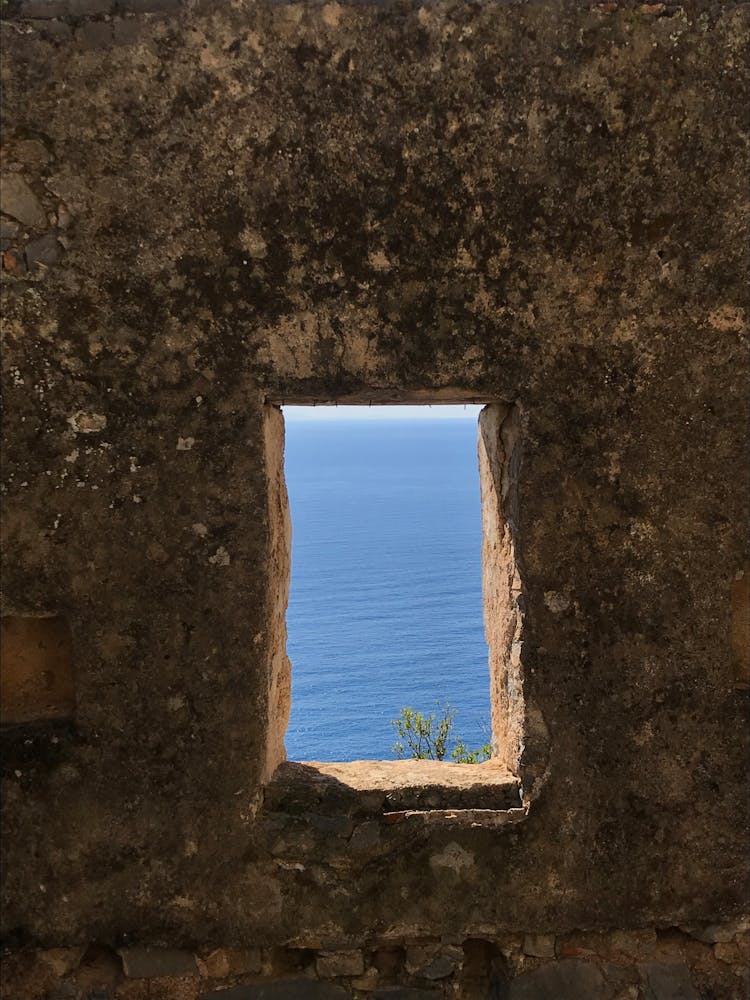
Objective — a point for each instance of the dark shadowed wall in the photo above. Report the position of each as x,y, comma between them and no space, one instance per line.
543,204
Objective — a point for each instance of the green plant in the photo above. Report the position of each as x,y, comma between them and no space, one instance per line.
426,737
462,755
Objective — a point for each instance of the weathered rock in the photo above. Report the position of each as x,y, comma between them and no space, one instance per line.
144,963
727,951
147,6
8,232
62,960
53,29
19,201
441,966
539,945
340,963
716,933
224,962
571,979
63,8
419,954
406,993
44,250
99,970
365,838
631,943
283,989
14,263
388,960
31,153
126,30
668,982
336,826
94,35
87,422
8,229
368,981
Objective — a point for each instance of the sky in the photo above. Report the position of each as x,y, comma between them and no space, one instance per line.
437,412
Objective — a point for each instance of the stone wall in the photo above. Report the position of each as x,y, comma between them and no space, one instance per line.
212,209
647,964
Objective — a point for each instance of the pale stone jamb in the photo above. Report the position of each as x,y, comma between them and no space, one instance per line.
499,461
278,576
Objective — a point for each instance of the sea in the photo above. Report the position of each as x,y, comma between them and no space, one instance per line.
385,607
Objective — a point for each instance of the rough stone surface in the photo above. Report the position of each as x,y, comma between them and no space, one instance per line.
340,963
37,678
571,979
62,961
419,955
223,962
406,993
8,229
440,967
668,982
716,933
19,201
368,981
539,945
668,964
144,6
95,35
44,250
144,963
53,29
538,205
64,8
289,989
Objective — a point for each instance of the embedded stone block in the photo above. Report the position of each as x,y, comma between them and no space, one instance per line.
36,669
340,963
571,979
19,202
224,962
539,945
145,963
668,981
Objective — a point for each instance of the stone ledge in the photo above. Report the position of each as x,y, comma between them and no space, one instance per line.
462,818
395,790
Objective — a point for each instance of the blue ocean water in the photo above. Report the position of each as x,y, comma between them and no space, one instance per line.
386,597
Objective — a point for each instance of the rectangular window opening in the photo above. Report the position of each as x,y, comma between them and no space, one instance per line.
390,518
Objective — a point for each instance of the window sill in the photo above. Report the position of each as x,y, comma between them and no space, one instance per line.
400,790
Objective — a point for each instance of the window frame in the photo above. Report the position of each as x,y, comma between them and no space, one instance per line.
292,786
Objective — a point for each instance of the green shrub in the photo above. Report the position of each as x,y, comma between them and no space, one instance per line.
426,737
